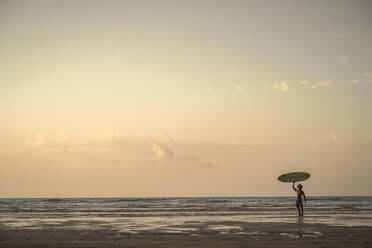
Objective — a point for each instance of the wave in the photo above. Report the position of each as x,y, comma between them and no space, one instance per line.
218,201
141,199
54,200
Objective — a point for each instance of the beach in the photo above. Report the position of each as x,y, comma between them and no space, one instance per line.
251,235
185,222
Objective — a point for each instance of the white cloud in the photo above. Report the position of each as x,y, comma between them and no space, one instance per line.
197,161
354,81
37,141
240,88
304,83
162,152
368,75
338,139
57,143
307,84
344,59
282,86
114,147
325,82
104,142
334,137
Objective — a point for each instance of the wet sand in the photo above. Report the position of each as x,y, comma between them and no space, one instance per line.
194,234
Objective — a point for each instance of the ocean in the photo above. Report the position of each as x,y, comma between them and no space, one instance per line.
176,214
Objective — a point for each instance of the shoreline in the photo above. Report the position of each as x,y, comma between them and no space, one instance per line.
194,234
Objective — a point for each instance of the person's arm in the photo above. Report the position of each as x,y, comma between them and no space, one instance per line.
294,186
304,196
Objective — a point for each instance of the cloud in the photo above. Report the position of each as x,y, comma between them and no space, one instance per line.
37,141
325,83
162,152
334,137
165,155
338,139
344,59
331,138
197,161
104,142
115,162
354,81
304,83
115,148
240,88
307,84
60,142
282,86
368,75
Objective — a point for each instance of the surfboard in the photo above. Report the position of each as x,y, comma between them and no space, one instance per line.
294,176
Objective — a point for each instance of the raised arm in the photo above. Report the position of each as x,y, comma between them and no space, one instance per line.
294,186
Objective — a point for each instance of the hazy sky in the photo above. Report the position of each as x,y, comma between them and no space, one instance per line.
184,98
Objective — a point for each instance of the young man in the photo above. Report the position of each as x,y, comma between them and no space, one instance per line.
299,194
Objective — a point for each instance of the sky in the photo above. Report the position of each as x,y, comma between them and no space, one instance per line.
184,98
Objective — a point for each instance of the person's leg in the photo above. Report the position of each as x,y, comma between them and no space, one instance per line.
302,209
298,208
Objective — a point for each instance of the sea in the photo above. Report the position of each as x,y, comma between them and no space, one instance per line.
173,214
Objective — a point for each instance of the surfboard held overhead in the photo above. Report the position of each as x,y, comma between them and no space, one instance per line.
294,177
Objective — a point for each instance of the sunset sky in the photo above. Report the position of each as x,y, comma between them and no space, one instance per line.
184,98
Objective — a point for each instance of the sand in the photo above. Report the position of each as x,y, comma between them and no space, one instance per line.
216,234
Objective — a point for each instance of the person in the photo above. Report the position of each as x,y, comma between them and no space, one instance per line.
299,195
